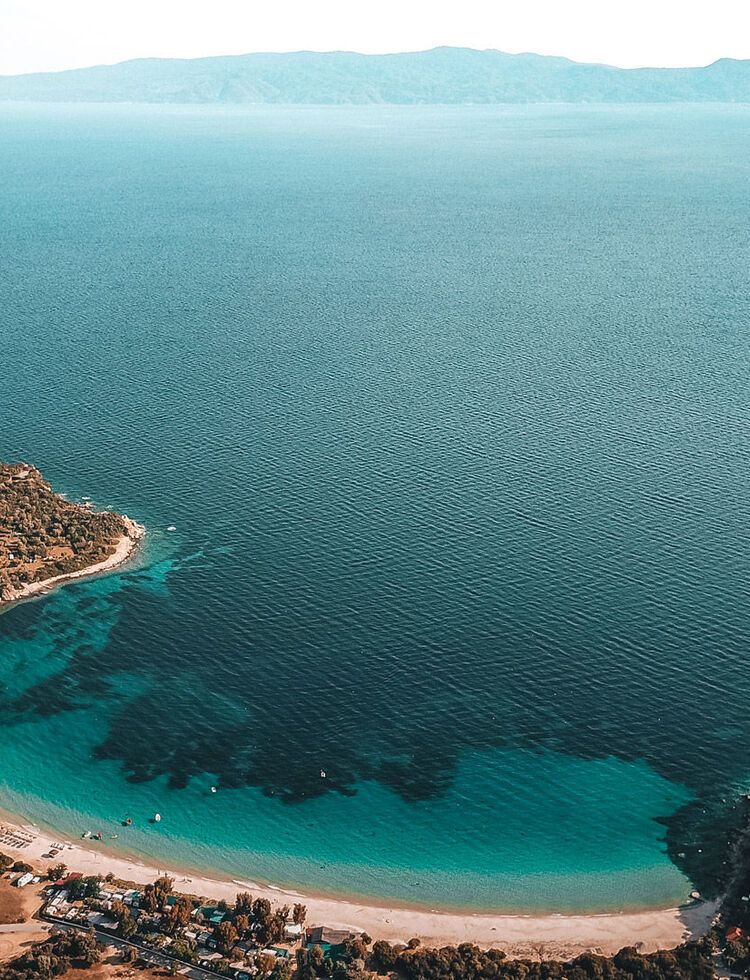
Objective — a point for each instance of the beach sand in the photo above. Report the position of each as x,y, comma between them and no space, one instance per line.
551,936
122,553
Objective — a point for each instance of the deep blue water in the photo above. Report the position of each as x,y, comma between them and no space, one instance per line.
449,407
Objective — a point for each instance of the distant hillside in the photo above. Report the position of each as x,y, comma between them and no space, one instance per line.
440,76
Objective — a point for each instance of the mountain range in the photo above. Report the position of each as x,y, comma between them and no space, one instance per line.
439,76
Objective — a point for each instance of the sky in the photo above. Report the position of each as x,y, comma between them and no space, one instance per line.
49,35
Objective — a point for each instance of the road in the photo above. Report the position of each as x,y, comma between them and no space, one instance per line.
150,956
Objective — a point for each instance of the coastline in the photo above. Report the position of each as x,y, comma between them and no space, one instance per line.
559,935
124,551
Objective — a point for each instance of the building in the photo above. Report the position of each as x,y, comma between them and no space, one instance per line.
323,936
330,940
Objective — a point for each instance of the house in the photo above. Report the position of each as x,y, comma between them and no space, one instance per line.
330,940
101,921
239,968
278,951
733,934
24,880
323,936
207,959
292,930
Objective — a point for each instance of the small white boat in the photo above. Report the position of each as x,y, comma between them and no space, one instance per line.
214,790
157,817
171,528
322,774
86,834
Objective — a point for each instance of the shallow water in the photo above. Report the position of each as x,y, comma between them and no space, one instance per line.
448,407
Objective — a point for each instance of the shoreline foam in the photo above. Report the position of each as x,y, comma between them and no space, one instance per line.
560,935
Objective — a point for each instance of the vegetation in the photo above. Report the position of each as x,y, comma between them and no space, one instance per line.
54,957
691,961
162,918
83,888
241,934
43,535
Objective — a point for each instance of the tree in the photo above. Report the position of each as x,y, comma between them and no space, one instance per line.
242,924
226,936
299,913
243,903
383,957
261,910
183,910
6,862
309,963
79,888
282,970
84,948
176,916
265,964
184,950
153,897
149,900
163,888
271,930
57,871
119,911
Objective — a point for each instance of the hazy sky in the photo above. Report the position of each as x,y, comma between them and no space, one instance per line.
39,35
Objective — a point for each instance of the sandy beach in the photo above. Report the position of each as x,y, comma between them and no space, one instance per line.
122,553
548,935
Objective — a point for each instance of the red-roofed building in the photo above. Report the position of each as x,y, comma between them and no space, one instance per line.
733,934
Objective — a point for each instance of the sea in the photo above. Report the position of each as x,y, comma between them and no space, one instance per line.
437,419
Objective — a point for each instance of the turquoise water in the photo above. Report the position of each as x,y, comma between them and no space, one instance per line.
448,407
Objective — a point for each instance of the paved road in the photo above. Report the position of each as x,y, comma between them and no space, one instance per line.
163,960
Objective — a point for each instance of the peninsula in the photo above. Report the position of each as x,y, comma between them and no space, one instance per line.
46,539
